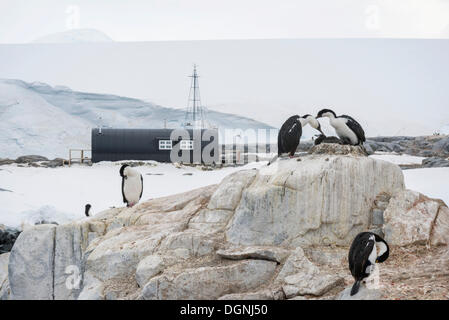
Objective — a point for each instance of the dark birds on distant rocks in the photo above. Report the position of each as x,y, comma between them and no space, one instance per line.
366,250
347,128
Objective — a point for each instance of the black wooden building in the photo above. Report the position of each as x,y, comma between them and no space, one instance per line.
154,144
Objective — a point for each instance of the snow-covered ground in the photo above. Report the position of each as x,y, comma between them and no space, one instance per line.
433,182
397,159
60,194
30,194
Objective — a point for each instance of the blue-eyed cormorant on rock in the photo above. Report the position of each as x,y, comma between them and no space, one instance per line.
366,250
346,127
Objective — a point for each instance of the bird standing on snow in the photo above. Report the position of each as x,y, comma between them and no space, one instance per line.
132,185
290,134
87,210
348,129
366,250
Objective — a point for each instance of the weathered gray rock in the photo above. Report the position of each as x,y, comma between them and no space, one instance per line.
309,284
229,192
377,217
30,159
57,162
118,254
6,161
148,268
258,295
193,243
299,276
297,262
93,289
7,238
258,252
435,162
363,294
322,199
31,263
441,147
412,218
210,282
329,257
71,240
4,283
210,221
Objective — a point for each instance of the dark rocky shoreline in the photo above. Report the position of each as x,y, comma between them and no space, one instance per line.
7,238
434,148
35,161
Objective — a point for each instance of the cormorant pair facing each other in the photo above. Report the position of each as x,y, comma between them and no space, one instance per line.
347,128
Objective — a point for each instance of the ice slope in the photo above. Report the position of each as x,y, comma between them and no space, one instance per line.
39,119
31,125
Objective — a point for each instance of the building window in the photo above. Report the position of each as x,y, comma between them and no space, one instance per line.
186,144
165,144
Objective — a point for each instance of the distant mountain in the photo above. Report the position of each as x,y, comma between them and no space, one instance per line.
40,119
75,36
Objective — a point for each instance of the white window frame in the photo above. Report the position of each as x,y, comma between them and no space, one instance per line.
186,144
165,144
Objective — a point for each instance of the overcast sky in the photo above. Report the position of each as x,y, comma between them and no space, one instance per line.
23,21
394,86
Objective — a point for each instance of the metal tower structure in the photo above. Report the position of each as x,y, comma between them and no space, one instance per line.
195,113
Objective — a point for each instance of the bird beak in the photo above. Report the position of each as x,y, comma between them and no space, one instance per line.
377,260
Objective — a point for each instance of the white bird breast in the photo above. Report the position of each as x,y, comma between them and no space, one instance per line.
343,130
132,188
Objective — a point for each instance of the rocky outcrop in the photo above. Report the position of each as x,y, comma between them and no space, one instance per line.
271,233
319,200
31,264
363,294
210,282
35,161
412,218
435,162
423,146
7,238
4,283
30,159
299,276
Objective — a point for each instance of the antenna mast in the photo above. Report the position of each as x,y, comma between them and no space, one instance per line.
194,114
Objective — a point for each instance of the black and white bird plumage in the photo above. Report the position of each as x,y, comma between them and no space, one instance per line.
87,210
366,250
132,185
346,127
289,136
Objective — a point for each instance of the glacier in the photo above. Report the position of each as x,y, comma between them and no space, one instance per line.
37,118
